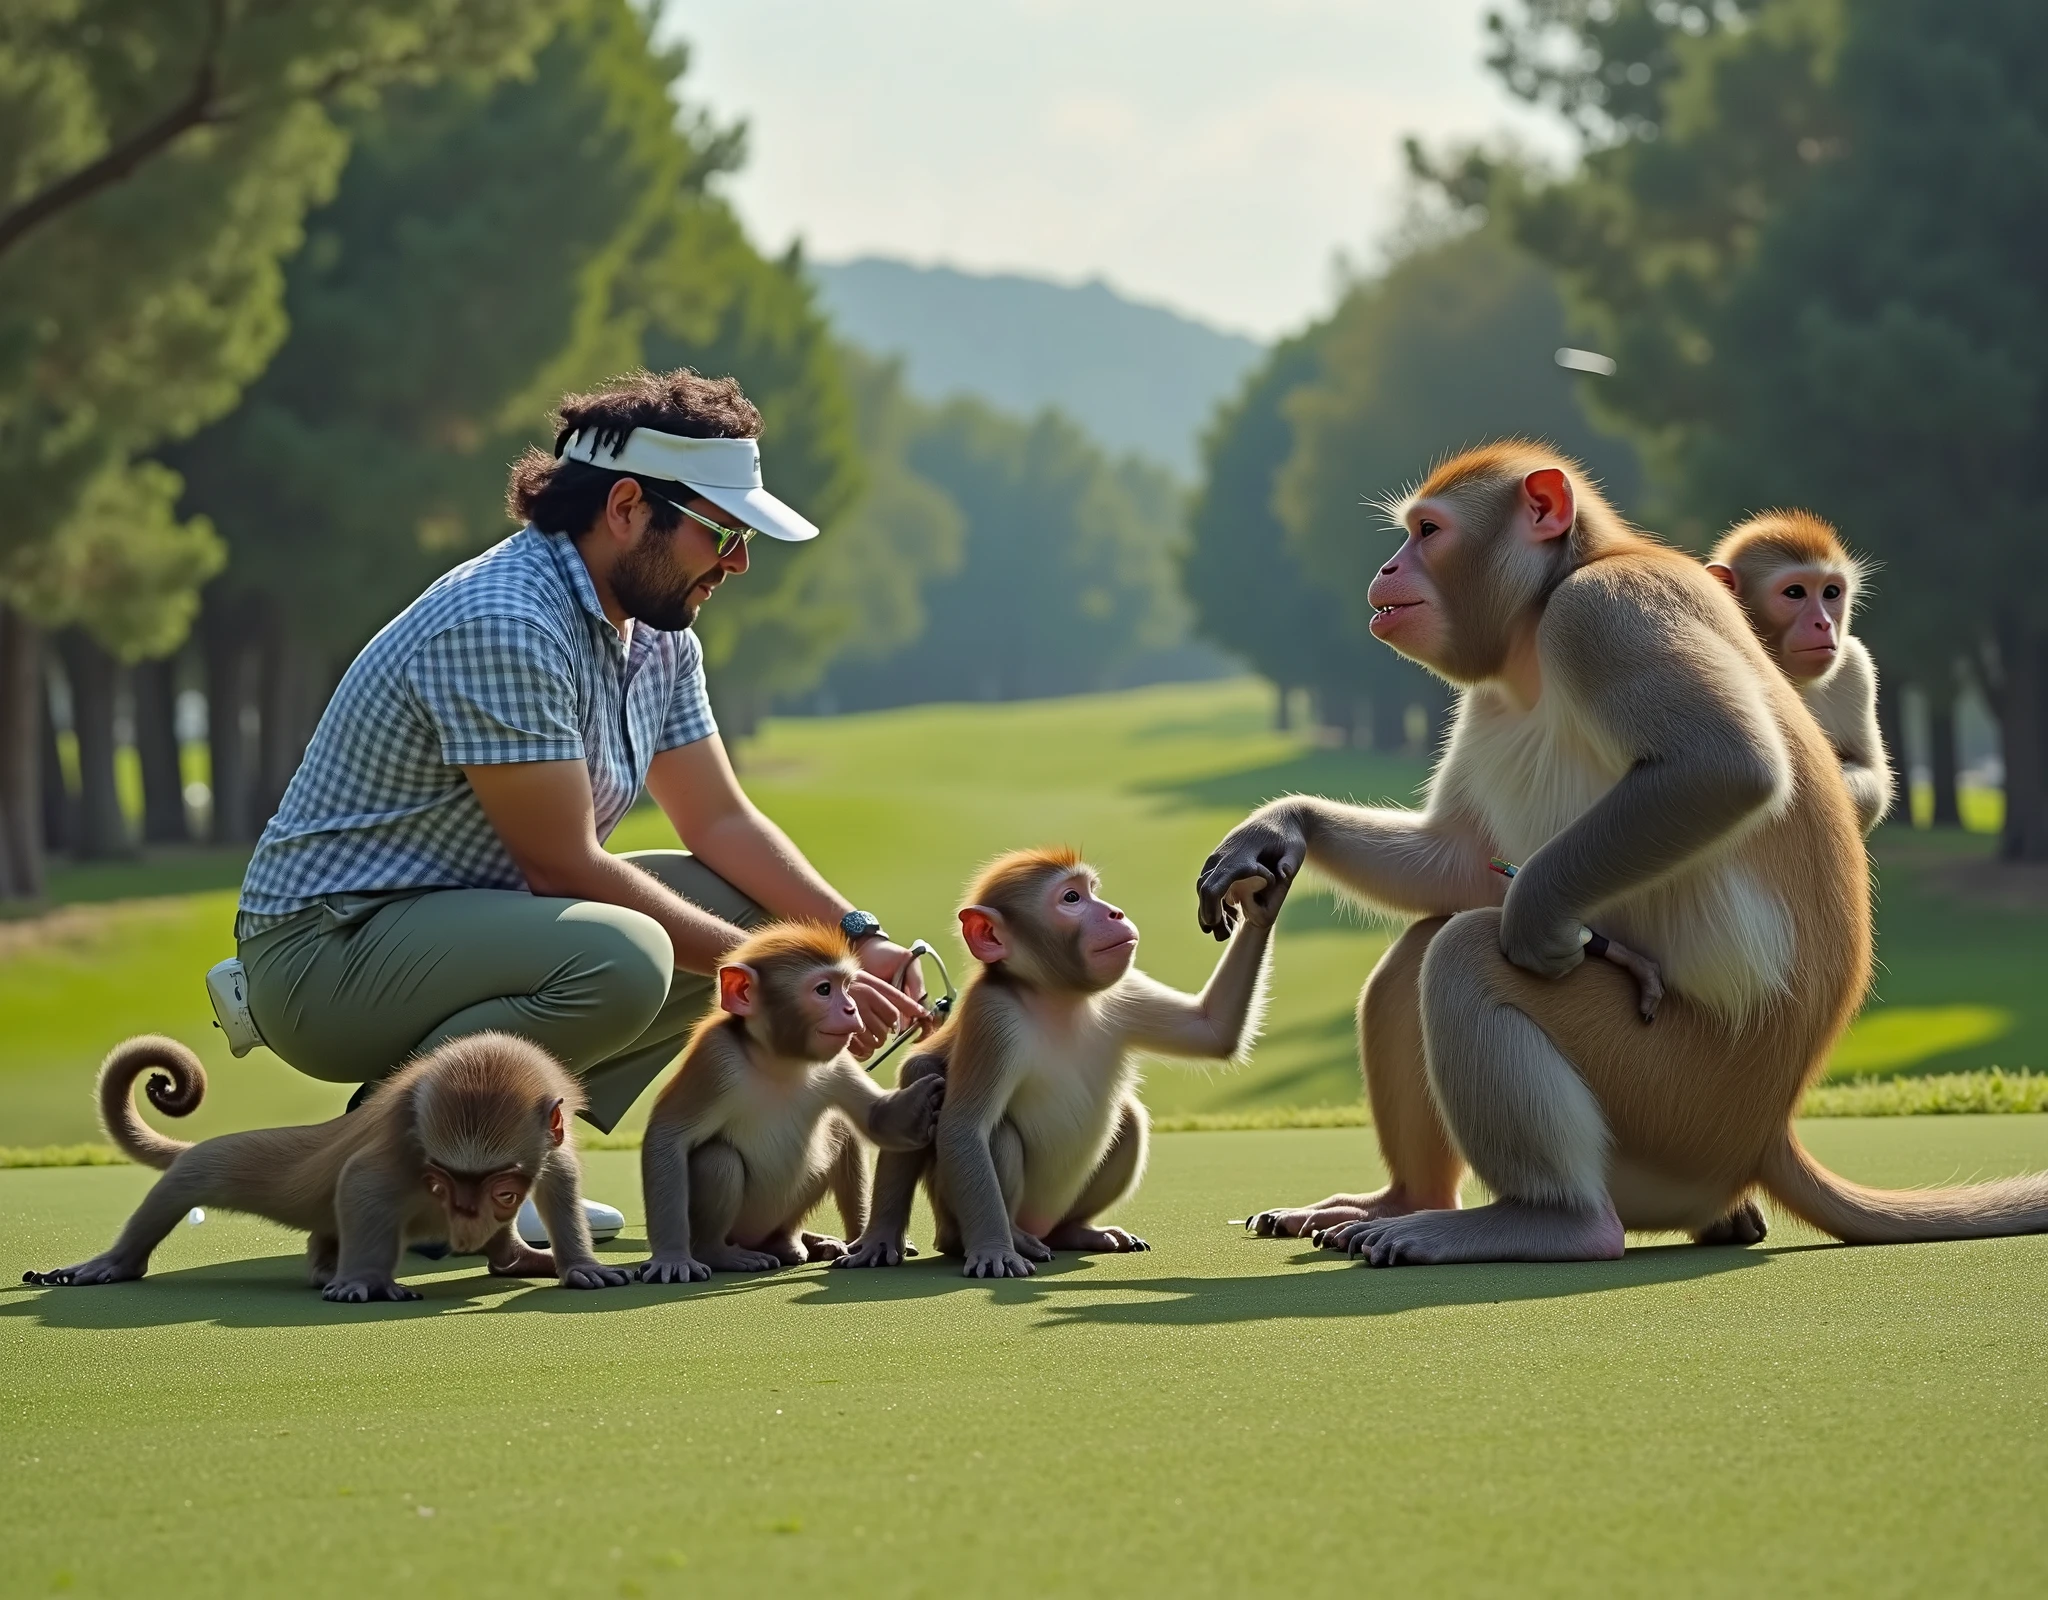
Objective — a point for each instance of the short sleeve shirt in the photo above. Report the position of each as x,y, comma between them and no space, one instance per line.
507,658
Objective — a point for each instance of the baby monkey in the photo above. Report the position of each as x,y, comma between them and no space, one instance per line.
760,1119
1042,1130
1797,584
446,1149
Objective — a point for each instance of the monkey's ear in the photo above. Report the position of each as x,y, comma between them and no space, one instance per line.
982,929
1726,576
557,1129
738,987
1553,508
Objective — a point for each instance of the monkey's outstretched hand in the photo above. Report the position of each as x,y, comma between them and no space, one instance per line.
906,1118
1268,847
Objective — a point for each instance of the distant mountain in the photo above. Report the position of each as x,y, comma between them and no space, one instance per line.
1137,377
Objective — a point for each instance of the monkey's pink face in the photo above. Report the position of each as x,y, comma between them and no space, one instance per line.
1407,603
1805,609
1105,937
477,1205
825,1000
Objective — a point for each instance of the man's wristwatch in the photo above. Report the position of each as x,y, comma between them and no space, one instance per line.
859,925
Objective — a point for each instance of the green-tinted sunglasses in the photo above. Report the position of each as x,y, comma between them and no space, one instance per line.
729,539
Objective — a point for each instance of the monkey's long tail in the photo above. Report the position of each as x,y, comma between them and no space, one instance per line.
1857,1215
177,1087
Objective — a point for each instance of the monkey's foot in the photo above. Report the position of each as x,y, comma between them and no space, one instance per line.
1306,1221
1504,1231
356,1291
1079,1236
522,1262
822,1247
876,1250
1743,1226
995,1262
595,1275
730,1259
101,1269
1029,1245
672,1269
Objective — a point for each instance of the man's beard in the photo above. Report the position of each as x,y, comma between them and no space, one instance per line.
653,587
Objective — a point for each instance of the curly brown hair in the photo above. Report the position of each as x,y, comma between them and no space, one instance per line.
559,496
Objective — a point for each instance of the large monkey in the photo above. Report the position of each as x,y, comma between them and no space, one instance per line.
760,1119
1042,1129
1622,735
446,1148
1798,584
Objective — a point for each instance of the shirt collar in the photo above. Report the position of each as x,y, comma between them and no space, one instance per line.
560,550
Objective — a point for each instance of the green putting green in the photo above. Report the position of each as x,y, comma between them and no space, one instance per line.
1223,1415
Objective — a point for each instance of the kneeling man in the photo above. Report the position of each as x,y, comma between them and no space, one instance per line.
437,866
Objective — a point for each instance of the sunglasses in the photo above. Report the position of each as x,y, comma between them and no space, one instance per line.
729,538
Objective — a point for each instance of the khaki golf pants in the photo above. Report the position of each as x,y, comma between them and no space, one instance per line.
351,989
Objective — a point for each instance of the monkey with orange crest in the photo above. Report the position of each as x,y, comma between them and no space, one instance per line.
1041,1130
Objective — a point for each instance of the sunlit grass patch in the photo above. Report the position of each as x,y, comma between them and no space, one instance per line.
1893,1038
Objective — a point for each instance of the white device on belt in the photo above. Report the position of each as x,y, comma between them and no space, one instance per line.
227,986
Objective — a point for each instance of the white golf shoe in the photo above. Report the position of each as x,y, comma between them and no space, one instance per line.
605,1223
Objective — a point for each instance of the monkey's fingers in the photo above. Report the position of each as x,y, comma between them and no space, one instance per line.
594,1275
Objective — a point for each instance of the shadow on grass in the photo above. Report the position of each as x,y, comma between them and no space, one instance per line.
270,1292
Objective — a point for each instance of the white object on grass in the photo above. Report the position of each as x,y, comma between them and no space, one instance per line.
195,1216
605,1222
1585,361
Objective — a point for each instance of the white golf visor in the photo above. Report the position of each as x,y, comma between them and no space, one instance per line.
727,472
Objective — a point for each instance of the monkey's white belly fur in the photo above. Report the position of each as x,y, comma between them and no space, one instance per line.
1065,1107
783,1133
1722,937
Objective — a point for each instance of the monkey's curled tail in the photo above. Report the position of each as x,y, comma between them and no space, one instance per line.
176,1089
1857,1215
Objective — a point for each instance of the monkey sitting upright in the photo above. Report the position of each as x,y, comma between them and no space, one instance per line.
446,1148
1797,584
1042,1129
760,1118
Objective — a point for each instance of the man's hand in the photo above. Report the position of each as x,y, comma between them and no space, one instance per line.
889,994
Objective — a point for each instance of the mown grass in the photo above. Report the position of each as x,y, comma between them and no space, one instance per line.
899,807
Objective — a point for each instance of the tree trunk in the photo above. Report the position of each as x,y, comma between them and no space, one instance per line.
2020,713
1941,762
1283,713
94,676
60,805
225,648
1891,728
289,693
21,822
155,686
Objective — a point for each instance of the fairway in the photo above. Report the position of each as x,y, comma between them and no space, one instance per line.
899,807
1222,1415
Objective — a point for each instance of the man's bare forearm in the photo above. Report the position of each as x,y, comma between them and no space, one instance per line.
757,858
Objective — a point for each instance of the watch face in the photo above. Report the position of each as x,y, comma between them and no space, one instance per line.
858,924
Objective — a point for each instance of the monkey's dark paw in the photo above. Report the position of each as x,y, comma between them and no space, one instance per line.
874,1252
673,1269
997,1263
745,1261
1270,846
1742,1227
98,1270
823,1247
595,1275
1029,1246
357,1291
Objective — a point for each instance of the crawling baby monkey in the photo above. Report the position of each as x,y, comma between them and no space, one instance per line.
446,1148
1042,1130
767,1112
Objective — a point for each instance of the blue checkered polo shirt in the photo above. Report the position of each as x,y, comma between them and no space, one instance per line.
508,657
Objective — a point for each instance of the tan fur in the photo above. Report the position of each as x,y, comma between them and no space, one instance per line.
1667,781
484,1104
750,1133
1042,1129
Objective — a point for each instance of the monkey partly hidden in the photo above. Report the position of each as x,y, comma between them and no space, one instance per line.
1624,737
761,1118
447,1148
1798,584
1042,1130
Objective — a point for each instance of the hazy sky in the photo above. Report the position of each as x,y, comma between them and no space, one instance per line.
1208,156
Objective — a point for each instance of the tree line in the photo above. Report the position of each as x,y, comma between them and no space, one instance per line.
280,294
